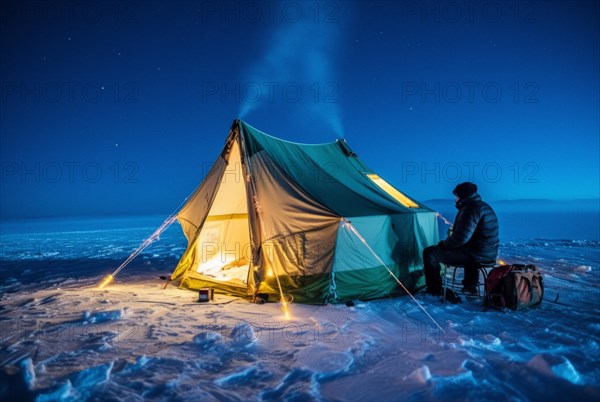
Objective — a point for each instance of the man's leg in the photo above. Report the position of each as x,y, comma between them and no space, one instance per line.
431,260
461,258
471,278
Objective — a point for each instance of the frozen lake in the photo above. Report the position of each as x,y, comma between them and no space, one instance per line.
63,339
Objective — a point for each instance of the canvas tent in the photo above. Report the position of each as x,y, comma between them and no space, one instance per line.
310,221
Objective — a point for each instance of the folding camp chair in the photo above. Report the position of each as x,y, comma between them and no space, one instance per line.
483,267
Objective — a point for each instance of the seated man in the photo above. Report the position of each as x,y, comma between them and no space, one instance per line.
473,240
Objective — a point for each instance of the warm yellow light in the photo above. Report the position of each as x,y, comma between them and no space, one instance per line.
269,273
286,312
106,281
388,188
500,261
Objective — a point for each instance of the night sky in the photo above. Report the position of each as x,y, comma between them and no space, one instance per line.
111,108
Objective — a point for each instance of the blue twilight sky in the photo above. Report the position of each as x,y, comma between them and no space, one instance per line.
120,107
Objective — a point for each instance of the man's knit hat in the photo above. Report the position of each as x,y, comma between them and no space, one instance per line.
463,190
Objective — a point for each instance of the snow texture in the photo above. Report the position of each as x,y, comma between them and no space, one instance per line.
62,338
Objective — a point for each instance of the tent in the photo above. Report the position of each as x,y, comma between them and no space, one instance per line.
311,223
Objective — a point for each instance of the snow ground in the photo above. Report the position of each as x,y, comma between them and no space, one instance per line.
61,338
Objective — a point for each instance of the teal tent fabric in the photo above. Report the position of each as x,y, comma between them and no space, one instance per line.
336,180
321,228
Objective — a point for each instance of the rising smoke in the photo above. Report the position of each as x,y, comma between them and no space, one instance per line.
300,54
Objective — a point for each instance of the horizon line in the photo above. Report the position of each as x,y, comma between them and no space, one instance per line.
117,214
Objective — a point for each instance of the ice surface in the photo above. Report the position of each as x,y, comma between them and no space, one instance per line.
420,375
207,340
103,316
243,334
555,366
27,369
323,361
62,393
92,376
583,268
63,338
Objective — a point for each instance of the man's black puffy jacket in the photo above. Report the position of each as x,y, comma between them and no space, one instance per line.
475,229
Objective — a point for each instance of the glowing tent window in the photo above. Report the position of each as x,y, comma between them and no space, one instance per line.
388,188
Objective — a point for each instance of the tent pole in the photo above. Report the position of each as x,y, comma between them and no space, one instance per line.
151,239
256,202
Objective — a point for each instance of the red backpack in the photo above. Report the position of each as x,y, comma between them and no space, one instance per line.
515,286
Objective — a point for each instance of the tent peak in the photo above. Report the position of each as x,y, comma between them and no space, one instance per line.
345,147
303,144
